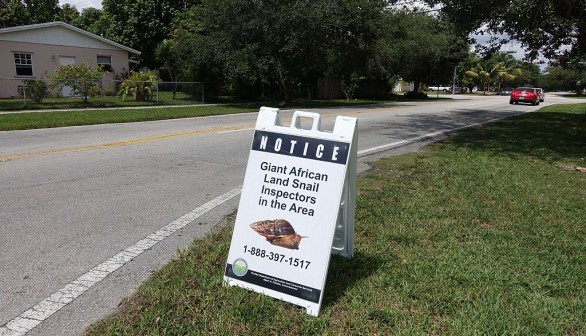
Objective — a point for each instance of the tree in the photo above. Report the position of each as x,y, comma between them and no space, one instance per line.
37,89
13,13
68,14
530,74
487,72
89,19
351,31
465,80
94,20
142,24
418,48
167,53
139,84
482,73
80,77
564,78
24,12
541,26
264,40
509,68
41,11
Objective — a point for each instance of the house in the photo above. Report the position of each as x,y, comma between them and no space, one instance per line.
35,51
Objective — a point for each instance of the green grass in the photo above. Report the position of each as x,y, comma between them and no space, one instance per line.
481,234
19,121
164,98
89,116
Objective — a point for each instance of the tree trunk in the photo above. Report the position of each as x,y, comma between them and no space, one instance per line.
416,85
283,82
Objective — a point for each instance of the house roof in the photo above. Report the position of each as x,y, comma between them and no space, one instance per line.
70,27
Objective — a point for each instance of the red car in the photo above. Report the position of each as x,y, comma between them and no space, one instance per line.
524,95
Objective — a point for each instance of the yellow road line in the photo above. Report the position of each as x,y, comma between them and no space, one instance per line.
121,143
153,138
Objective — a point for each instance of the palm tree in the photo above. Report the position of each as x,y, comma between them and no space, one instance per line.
499,68
509,69
483,73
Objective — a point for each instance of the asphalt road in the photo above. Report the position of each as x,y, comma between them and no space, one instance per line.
72,199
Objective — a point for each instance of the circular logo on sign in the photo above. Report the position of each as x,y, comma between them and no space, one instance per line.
240,267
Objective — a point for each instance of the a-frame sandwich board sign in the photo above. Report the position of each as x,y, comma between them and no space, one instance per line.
296,200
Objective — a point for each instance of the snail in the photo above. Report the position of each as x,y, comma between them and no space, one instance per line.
278,232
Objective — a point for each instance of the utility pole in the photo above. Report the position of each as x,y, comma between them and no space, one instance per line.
454,80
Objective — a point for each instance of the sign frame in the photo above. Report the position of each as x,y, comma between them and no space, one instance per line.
296,207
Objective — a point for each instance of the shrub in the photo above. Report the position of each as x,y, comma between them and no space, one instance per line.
139,84
415,95
37,89
93,91
80,77
108,92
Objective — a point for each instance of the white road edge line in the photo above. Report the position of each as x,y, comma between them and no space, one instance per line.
28,320
38,313
430,135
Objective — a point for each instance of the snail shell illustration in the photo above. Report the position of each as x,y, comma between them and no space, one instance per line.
278,232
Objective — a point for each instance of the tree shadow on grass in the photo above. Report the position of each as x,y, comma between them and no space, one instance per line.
345,273
546,136
543,135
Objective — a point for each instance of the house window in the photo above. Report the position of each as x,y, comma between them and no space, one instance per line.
105,63
24,64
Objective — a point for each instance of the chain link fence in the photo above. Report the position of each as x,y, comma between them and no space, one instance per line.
106,91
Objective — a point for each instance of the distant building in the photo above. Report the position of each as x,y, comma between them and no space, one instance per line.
35,51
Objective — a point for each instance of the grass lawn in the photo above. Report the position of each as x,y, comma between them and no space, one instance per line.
164,98
89,116
481,234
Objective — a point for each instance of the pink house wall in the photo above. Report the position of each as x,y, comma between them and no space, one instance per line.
45,59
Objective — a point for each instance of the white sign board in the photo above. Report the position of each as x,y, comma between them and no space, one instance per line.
289,208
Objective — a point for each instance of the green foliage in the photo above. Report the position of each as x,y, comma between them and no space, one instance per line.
495,71
418,48
68,14
564,78
482,234
544,27
530,74
248,43
350,85
42,10
13,13
141,24
91,19
415,95
37,89
80,77
17,12
169,54
93,91
139,84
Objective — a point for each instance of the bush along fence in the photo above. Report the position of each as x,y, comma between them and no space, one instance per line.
104,91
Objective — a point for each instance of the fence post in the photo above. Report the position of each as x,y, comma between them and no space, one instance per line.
24,93
203,99
157,93
102,89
